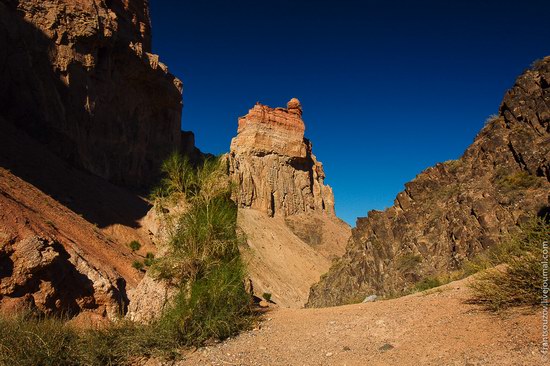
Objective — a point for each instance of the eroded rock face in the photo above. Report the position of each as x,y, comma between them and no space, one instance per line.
454,210
38,273
80,77
273,166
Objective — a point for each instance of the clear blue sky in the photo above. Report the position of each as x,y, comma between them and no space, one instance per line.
388,88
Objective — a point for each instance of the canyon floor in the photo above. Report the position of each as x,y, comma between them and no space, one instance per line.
435,327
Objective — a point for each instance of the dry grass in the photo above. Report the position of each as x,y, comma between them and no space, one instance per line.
515,276
30,341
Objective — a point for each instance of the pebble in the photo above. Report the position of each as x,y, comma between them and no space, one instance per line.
386,347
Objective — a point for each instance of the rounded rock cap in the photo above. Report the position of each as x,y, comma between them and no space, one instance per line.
294,103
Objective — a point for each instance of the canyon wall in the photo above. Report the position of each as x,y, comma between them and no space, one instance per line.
79,77
83,104
456,209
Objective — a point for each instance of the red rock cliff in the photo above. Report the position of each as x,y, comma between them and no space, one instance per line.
80,77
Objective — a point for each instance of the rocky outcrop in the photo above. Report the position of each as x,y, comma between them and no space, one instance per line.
37,273
52,259
454,210
149,299
79,76
285,210
273,166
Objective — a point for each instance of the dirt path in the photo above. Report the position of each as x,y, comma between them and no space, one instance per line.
432,328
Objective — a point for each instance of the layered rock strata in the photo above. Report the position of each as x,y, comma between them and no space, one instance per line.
454,210
273,165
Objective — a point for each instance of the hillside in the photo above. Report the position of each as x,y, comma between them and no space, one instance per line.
454,210
86,221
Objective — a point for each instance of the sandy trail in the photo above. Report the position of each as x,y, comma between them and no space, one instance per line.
436,327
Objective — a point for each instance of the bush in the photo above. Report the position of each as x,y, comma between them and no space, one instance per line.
510,182
137,265
178,177
206,233
135,245
517,279
267,296
408,262
204,260
428,283
149,259
217,306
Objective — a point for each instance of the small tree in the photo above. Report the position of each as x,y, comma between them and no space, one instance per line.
134,245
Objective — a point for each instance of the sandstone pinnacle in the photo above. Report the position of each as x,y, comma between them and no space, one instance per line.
273,165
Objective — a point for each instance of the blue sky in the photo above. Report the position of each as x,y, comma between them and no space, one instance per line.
388,88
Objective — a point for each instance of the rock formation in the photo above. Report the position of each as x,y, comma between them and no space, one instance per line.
273,166
456,209
37,273
79,76
285,209
82,101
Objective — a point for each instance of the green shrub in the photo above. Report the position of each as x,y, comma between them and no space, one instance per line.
267,296
204,259
135,245
428,283
179,177
453,165
138,265
408,262
206,232
217,306
517,279
149,259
